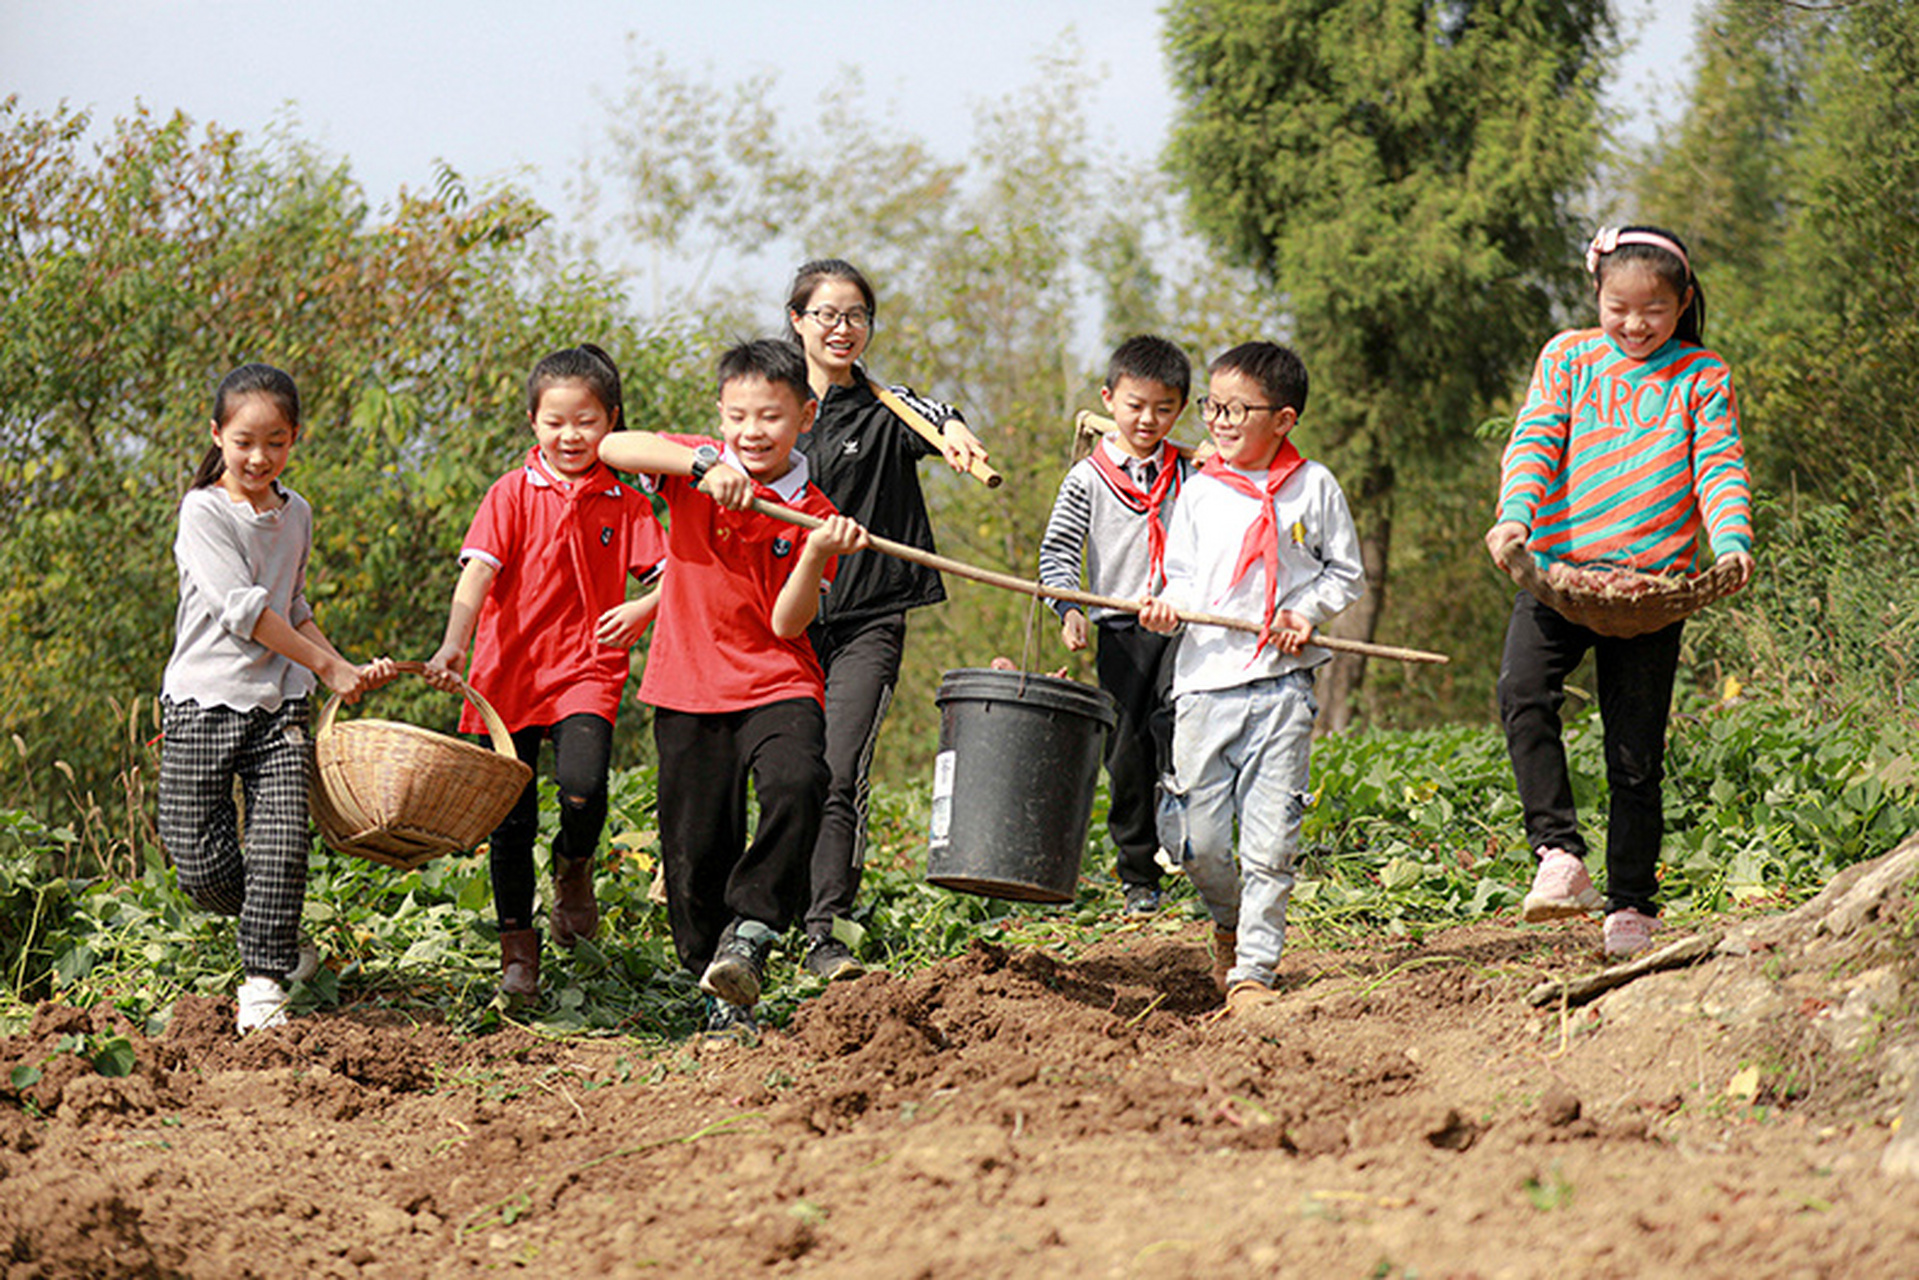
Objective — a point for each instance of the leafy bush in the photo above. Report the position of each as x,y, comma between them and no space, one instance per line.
1406,831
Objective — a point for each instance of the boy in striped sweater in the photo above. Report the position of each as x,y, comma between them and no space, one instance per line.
1111,516
1626,453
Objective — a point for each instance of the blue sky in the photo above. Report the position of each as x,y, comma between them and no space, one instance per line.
522,90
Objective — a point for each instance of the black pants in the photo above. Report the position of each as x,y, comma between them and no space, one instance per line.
582,752
1135,666
1634,680
713,875
862,664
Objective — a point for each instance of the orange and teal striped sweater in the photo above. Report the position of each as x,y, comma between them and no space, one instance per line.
1622,461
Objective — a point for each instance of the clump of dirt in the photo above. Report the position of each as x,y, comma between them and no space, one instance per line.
1403,1107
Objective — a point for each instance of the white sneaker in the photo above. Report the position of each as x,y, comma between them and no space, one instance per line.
309,962
263,1003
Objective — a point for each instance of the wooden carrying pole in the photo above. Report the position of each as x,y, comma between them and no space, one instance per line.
917,421
1007,581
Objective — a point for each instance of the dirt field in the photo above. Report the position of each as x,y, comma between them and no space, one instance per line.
1407,1112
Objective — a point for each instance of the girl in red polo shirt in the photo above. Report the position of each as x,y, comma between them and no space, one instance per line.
544,581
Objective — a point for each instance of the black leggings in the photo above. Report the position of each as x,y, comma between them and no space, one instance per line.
582,753
1634,680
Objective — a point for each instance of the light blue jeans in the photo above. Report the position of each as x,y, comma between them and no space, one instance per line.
1241,755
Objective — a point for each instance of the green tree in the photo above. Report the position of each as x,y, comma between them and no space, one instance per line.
1836,367
1402,172
133,273
977,269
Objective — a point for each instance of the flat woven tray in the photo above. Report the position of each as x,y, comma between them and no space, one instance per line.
403,796
1617,602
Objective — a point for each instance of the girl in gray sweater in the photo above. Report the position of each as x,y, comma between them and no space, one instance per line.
234,698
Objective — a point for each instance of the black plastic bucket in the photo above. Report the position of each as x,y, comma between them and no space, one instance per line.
1013,783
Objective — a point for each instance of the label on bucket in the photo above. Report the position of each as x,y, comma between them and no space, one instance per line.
943,769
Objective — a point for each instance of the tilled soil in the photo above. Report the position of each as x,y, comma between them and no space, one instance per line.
1403,1110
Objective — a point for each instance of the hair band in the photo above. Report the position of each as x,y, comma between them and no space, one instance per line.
1610,238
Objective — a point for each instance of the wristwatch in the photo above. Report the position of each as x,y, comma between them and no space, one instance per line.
705,457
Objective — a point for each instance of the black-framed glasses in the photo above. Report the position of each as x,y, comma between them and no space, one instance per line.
1234,415
830,318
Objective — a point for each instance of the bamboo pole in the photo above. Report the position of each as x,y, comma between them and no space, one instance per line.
1024,586
913,418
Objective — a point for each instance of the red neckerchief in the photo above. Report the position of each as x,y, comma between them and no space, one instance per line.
1141,502
1261,543
573,495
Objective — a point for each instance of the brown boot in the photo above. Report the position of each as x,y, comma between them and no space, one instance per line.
1225,943
575,913
520,965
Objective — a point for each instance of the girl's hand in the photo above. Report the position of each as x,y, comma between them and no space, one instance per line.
1503,539
343,678
959,446
381,671
1291,631
728,487
1072,631
1158,615
623,624
840,535
1745,562
443,668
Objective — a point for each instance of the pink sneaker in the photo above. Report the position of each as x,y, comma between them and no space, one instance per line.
1629,932
1561,888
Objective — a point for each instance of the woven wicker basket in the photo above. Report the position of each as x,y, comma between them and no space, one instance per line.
404,796
1620,602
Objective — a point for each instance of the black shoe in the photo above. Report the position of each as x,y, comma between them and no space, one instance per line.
1142,900
732,1022
739,963
828,958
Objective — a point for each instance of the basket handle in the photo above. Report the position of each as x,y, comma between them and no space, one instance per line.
495,726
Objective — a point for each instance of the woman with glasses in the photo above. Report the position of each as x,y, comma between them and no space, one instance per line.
866,460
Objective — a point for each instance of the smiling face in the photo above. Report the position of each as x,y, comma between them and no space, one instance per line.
1638,309
830,353
255,443
570,423
761,421
1144,410
1252,444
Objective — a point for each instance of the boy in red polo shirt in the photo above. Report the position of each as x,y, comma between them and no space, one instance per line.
736,690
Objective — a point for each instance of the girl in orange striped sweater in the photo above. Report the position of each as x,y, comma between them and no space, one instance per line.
1626,451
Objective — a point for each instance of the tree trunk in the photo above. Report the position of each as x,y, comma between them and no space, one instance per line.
1371,498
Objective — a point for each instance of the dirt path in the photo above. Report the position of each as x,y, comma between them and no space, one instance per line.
1407,1112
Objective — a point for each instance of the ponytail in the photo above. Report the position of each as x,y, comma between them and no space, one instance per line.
247,380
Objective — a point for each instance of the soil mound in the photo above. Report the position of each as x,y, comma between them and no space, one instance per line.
1404,1107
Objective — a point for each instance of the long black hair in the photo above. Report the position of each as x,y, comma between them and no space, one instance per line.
247,380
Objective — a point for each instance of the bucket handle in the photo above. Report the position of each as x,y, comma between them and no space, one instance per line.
495,727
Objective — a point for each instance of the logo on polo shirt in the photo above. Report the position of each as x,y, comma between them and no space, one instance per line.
782,547
851,449
606,535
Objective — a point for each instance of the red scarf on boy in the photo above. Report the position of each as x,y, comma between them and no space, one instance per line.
1150,503
1260,545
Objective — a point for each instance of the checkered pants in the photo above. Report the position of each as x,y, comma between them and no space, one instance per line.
204,750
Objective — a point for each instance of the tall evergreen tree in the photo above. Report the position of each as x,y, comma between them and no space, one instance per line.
1402,172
